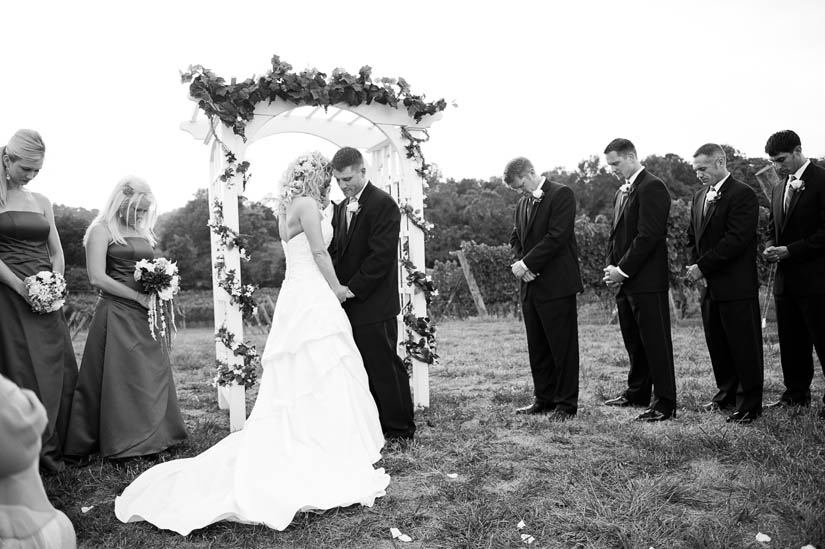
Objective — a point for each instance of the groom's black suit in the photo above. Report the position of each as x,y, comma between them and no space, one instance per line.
722,242
799,287
638,246
365,258
544,240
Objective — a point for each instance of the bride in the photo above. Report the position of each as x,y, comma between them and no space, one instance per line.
312,436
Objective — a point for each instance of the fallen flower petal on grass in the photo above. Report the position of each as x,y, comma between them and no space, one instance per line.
452,475
86,509
809,547
520,525
396,534
764,538
527,538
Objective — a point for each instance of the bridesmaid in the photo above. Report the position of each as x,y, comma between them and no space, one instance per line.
35,350
125,403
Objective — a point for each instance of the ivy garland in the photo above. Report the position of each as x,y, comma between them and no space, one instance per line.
245,374
416,219
418,279
228,237
420,343
233,104
239,294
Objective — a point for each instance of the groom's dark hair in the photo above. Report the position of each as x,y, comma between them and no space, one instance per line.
621,146
346,157
516,168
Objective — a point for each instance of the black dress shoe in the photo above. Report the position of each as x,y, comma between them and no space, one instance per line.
535,408
555,416
620,400
742,417
650,415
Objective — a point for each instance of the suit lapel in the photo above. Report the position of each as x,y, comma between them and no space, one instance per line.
698,205
796,196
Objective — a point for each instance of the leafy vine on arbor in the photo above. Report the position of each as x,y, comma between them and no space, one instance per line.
233,104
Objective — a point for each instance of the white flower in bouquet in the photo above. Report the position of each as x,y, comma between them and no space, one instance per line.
159,278
46,291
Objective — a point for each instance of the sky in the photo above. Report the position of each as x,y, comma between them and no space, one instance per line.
553,81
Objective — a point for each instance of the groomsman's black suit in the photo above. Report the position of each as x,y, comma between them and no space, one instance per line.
799,287
638,246
722,242
366,261
544,240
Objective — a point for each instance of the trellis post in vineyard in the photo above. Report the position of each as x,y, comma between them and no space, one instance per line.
389,127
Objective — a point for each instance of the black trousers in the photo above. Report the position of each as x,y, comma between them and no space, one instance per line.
733,333
388,379
553,346
801,324
645,324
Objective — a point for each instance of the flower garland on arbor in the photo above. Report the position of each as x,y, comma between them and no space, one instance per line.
246,374
233,104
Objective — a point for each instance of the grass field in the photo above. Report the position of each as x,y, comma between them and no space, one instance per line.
600,480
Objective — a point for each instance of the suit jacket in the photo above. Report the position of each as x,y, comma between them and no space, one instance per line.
723,242
544,239
365,257
638,240
802,230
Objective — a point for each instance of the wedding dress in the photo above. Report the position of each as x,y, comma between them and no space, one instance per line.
310,440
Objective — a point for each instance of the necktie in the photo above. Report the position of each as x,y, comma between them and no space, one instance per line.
788,194
350,213
707,204
617,211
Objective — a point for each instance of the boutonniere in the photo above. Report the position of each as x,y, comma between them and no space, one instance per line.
713,195
537,195
353,207
626,188
797,185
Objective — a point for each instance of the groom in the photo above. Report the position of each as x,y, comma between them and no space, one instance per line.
364,251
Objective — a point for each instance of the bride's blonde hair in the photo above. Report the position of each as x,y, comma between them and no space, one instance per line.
121,207
308,175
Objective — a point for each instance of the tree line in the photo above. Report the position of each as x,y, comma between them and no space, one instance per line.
466,210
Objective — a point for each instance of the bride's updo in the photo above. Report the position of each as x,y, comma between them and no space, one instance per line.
308,175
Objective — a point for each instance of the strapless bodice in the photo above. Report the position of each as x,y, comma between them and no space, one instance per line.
23,238
121,259
299,260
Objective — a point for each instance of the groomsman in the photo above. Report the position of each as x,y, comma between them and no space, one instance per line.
364,252
722,248
796,242
548,268
637,253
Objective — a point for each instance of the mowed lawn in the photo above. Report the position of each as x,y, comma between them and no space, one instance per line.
476,470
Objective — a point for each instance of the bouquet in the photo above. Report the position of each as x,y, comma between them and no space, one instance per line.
47,291
159,278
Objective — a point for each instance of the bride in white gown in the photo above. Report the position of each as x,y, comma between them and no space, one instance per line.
313,435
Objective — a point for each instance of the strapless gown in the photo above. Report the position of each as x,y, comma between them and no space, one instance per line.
310,441
125,403
35,350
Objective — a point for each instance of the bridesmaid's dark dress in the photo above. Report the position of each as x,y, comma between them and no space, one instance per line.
125,403
35,350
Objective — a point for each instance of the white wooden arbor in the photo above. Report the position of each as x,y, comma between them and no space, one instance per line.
374,129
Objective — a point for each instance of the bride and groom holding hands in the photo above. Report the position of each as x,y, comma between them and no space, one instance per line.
333,388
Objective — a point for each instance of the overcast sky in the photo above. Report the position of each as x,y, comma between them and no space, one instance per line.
554,81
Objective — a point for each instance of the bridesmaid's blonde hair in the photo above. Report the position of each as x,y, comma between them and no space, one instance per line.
122,205
23,145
